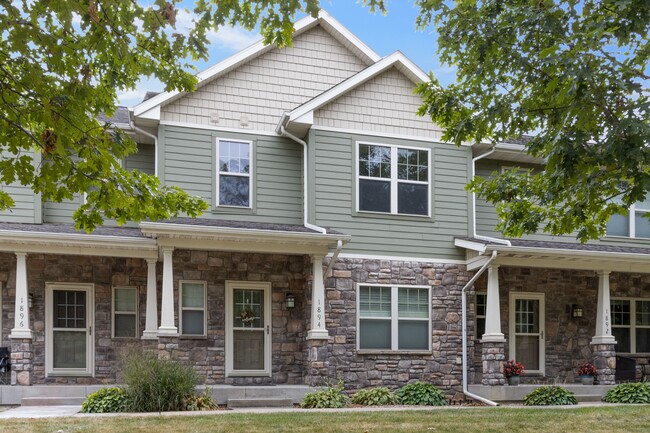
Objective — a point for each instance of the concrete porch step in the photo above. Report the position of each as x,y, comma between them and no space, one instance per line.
52,401
582,393
236,403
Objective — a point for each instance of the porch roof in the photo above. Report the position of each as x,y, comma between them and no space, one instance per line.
563,255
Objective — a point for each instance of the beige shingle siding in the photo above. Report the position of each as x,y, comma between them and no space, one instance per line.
264,88
386,104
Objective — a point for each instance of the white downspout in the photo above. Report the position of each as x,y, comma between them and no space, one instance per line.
155,144
305,210
464,307
476,236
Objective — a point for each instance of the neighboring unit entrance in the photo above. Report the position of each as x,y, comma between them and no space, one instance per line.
69,344
527,330
248,329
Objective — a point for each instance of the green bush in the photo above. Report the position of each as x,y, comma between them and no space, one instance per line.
421,394
629,393
203,401
106,400
380,396
550,396
331,397
156,385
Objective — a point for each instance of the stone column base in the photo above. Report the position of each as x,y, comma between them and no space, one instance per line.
493,356
22,357
167,346
604,356
317,371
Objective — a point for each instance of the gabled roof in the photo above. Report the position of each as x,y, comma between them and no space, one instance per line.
302,117
150,108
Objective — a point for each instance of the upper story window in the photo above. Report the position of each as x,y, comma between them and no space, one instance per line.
631,325
634,224
393,179
234,173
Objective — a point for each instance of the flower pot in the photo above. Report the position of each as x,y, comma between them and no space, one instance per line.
514,380
587,380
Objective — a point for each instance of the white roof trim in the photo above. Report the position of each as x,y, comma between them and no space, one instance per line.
251,52
611,255
406,66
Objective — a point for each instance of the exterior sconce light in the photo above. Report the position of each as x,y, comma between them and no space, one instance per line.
30,300
576,311
291,301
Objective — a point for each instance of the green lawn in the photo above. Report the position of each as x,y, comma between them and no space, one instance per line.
503,420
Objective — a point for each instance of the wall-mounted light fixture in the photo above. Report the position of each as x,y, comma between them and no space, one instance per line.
30,300
291,301
576,311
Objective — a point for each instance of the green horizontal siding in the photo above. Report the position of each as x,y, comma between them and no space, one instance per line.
332,200
27,206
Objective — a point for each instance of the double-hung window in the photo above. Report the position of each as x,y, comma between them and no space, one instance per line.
125,312
634,224
192,308
631,325
481,307
234,173
394,318
393,179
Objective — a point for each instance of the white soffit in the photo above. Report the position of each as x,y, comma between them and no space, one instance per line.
150,108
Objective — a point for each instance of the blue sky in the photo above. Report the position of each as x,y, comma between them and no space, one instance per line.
383,33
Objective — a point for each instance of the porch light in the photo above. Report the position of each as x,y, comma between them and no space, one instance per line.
291,301
30,300
576,311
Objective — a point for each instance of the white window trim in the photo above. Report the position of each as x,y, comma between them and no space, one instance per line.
394,318
632,326
114,311
90,337
541,297
181,308
249,175
393,178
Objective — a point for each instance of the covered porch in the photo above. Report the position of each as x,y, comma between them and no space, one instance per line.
554,306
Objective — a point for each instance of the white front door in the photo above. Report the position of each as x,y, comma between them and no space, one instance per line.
527,330
248,329
69,343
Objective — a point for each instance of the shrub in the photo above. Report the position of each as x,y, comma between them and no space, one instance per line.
331,397
156,385
629,393
203,401
550,396
421,394
512,368
106,400
587,369
380,396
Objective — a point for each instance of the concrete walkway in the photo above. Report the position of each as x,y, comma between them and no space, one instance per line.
40,412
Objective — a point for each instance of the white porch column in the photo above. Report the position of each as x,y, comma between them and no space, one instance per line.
318,330
603,333
492,309
167,326
21,319
151,324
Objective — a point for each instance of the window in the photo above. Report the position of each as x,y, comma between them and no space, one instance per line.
234,173
481,305
125,312
192,309
634,224
394,318
393,180
631,325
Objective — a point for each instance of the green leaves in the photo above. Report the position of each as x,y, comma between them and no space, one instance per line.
550,396
379,396
633,393
421,394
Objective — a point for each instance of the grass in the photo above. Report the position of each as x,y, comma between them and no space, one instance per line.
587,419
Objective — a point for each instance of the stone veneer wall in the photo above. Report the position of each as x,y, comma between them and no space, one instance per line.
442,367
286,273
567,338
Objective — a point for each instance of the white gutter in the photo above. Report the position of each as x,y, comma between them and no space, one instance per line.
155,145
339,245
476,236
305,205
464,307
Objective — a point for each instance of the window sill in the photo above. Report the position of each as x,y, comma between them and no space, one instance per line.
232,210
397,216
642,241
193,337
393,352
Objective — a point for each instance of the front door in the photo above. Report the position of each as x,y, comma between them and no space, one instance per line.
248,329
527,330
69,346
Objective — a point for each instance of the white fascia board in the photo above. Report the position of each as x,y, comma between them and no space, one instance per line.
470,245
347,34
609,255
397,58
150,228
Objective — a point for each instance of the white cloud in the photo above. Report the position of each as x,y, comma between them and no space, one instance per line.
227,38
130,97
